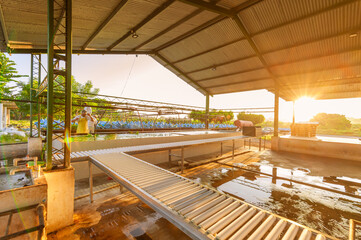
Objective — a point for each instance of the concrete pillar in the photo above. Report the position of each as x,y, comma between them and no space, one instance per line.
60,198
7,117
276,111
35,146
293,113
274,142
207,111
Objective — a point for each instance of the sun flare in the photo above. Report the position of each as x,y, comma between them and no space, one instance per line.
305,109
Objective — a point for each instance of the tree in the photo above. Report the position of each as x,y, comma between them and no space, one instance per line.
332,121
214,116
254,118
24,94
8,75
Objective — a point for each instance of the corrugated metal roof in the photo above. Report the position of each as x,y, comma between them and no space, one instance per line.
297,43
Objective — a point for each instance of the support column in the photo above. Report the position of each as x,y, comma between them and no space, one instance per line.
276,111
31,92
207,111
293,113
68,97
50,90
38,99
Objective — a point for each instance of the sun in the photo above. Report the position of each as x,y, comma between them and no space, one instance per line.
305,109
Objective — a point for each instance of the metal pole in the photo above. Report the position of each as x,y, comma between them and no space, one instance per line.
50,93
276,110
90,181
233,149
38,100
68,97
207,111
182,155
352,230
170,157
31,93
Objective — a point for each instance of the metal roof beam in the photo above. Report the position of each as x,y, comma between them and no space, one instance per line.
104,23
222,64
142,23
183,20
235,83
191,32
102,52
209,7
282,49
209,50
229,74
3,27
181,72
253,45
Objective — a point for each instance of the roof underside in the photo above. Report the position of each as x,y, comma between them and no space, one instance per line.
308,47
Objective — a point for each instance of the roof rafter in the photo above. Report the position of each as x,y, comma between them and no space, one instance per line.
235,83
209,7
280,49
191,32
34,51
181,72
253,45
209,50
230,74
142,23
104,23
183,20
283,64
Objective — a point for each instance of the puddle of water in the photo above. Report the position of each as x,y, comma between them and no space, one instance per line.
128,218
319,209
18,180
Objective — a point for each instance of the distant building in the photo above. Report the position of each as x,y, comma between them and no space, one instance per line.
5,108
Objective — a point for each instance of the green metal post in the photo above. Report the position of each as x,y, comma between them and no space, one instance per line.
68,99
38,100
50,93
31,93
276,111
207,111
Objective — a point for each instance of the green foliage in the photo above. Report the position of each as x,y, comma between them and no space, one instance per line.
8,74
214,116
332,121
7,138
255,118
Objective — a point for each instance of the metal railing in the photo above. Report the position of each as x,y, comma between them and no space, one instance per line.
40,228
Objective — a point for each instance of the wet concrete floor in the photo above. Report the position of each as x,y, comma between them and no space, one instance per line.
117,214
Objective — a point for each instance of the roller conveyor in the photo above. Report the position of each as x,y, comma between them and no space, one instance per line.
199,211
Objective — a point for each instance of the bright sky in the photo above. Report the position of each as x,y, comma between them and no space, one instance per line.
149,80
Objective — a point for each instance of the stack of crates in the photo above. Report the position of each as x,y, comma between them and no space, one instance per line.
307,129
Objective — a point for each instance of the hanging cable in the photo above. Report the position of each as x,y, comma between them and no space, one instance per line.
130,72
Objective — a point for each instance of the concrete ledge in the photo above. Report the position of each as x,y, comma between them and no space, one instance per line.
318,147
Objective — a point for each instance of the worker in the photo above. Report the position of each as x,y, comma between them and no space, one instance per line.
91,124
83,122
